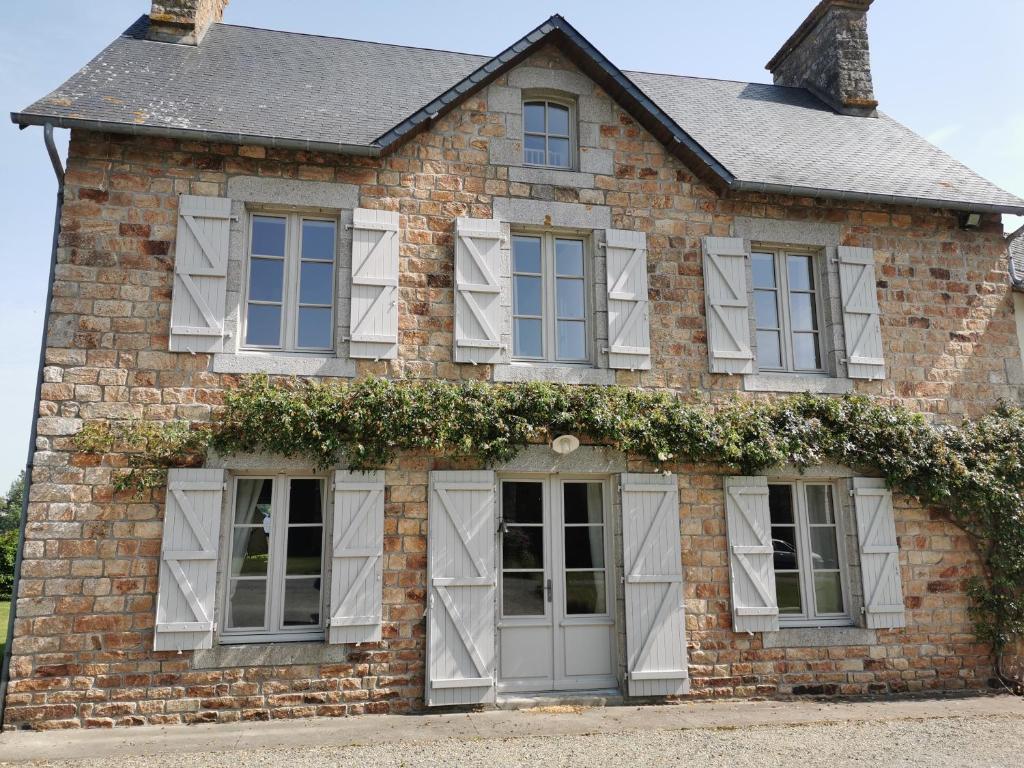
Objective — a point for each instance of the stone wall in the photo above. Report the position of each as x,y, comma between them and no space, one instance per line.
86,605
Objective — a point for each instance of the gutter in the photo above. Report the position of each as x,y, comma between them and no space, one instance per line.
5,667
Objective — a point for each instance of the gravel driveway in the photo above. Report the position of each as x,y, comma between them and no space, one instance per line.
993,741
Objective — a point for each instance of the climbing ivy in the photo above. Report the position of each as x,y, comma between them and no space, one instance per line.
972,472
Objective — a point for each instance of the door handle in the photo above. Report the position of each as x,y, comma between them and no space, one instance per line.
547,589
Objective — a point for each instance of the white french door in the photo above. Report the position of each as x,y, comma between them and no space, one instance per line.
556,629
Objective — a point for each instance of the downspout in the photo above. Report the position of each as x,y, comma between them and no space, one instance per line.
5,669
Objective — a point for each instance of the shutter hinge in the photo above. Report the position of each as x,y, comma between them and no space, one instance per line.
224,486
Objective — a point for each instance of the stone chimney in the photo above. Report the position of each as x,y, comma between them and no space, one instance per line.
828,55
183,21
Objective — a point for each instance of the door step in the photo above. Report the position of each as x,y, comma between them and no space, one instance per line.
603,697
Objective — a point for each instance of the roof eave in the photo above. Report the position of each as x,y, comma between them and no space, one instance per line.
26,119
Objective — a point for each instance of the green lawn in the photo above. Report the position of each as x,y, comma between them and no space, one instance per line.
5,612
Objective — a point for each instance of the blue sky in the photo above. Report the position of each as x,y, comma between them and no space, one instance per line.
951,74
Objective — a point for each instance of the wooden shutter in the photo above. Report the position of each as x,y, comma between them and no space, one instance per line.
200,274
629,335
478,303
462,576
725,298
188,560
865,358
357,557
655,627
751,555
373,330
879,554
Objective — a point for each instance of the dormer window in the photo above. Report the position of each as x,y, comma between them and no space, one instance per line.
547,133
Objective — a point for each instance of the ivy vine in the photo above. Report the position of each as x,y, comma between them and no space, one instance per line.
972,472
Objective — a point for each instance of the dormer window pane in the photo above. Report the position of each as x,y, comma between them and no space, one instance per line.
547,134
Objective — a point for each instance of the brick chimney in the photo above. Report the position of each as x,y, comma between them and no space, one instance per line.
828,55
183,21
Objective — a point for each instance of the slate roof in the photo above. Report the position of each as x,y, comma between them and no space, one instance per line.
282,88
1015,243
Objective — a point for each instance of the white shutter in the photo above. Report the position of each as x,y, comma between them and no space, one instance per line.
462,577
725,299
879,554
751,555
188,560
655,626
374,305
357,557
478,304
629,335
865,358
200,274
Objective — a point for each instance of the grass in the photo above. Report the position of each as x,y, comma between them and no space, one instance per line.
5,612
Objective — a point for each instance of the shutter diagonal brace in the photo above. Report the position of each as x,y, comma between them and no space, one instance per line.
173,558
889,550
763,548
217,268
737,302
342,551
467,289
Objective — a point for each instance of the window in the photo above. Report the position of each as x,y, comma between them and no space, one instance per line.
808,557
547,134
276,571
786,309
549,305
290,295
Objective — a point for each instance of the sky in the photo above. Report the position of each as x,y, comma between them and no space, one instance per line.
952,74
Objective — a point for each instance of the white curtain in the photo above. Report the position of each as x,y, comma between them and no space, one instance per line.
246,499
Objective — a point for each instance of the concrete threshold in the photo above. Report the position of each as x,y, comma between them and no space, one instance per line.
549,700
66,746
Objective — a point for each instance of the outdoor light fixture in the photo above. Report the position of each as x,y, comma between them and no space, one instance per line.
970,220
564,444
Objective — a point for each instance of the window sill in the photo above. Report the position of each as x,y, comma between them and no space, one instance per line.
268,654
541,174
816,636
796,382
283,364
563,374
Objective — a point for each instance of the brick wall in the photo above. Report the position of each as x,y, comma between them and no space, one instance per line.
86,605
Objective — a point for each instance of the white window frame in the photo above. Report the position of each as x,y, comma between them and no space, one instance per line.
810,617
557,101
273,629
291,281
549,307
782,304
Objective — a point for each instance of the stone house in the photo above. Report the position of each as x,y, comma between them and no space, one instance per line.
239,200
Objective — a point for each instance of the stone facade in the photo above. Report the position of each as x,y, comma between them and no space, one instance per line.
83,637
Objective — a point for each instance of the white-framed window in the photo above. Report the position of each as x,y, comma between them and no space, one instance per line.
548,134
787,310
550,317
809,557
275,573
290,282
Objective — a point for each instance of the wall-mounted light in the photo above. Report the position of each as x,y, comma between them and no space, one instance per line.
564,444
970,220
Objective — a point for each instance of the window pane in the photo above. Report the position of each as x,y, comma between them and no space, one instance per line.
805,351
828,592
799,273
819,505
801,312
584,546
528,338
585,592
824,552
318,240
787,591
569,258
250,552
526,254
522,503
558,120
767,309
268,235
572,340
526,292
780,504
252,501
570,297
314,327
266,279
533,117
558,152
302,602
582,503
769,351
316,285
534,149
248,601
522,594
763,266
305,545
305,501
263,325
522,546
784,545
